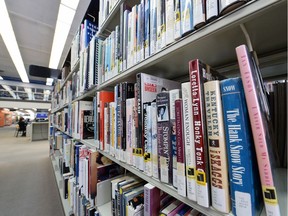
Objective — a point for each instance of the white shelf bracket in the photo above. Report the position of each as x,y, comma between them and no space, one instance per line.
249,43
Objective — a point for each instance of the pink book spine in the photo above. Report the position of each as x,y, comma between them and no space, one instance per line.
260,134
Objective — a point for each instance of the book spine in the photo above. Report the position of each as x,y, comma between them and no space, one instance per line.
169,7
164,138
202,175
147,202
255,98
118,121
158,20
106,125
212,9
173,95
153,26
243,170
199,18
154,140
217,147
181,177
177,20
112,128
125,41
139,33
129,127
147,29
152,200
147,156
136,90
186,16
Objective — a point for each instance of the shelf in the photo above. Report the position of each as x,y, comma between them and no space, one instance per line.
89,93
66,79
60,108
105,210
66,207
164,187
264,20
91,143
107,23
76,66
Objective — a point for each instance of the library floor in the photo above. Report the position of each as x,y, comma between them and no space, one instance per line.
27,182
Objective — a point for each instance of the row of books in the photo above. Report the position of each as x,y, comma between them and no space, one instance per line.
148,27
85,173
212,133
81,40
105,8
132,196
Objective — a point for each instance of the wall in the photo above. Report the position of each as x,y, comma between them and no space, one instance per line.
5,118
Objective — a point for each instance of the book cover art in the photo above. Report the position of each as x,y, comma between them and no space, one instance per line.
217,147
88,124
260,121
242,162
188,132
199,74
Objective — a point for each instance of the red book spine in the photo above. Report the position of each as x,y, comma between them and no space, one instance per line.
104,98
196,69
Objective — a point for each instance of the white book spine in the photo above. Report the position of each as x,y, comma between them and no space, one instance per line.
173,95
189,141
148,142
153,26
129,126
169,21
212,9
112,128
159,35
177,20
154,140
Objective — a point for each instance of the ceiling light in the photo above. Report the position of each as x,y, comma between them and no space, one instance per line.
64,21
49,81
8,35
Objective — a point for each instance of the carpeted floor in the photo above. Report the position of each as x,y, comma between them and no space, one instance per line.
27,182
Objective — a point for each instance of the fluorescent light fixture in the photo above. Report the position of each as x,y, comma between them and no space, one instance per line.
46,95
15,108
8,35
65,18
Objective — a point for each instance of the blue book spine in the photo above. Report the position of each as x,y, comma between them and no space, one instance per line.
244,179
77,149
186,16
89,31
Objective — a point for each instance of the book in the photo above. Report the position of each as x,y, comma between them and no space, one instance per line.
199,74
186,16
183,210
188,133
199,13
152,200
90,29
171,209
165,161
225,6
216,147
147,153
242,162
130,129
128,196
147,28
104,97
174,94
147,88
177,20
212,10
85,112
153,26
259,120
169,13
154,141
181,177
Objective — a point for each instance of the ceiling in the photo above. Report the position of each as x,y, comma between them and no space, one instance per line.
34,25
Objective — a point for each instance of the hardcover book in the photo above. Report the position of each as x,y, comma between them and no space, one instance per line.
173,95
169,13
152,200
260,122
242,162
188,132
147,29
153,26
164,138
147,155
199,13
177,20
212,10
172,208
217,147
199,74
186,16
130,129
154,140
181,177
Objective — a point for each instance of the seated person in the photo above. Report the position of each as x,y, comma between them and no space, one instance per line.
22,126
